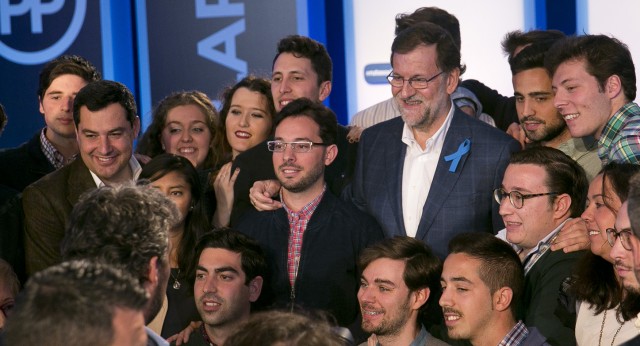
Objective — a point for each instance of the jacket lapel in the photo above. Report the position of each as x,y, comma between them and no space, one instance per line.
444,180
395,153
80,181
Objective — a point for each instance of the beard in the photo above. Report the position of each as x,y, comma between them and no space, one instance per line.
390,325
544,135
316,173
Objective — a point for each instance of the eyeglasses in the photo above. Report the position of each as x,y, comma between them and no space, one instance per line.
7,307
516,198
414,82
624,235
297,147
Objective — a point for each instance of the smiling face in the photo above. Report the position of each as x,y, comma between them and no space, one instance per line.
221,296
248,121
175,186
536,219
186,134
57,106
466,300
624,265
538,116
599,217
585,108
423,108
293,78
385,300
299,172
105,139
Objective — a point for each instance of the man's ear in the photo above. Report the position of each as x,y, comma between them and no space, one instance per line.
330,154
153,274
561,205
419,298
325,90
502,298
255,288
613,86
136,127
40,105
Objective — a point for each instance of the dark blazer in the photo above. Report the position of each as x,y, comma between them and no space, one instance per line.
23,165
47,204
328,277
541,291
459,201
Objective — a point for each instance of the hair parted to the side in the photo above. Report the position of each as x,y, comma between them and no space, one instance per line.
305,47
100,94
66,64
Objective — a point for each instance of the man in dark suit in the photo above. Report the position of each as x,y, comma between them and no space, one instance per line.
55,145
106,123
430,173
542,189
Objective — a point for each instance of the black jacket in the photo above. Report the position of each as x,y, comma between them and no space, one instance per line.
21,166
328,277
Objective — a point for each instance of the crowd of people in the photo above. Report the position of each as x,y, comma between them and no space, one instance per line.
446,215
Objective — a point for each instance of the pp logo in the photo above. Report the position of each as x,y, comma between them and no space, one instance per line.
37,9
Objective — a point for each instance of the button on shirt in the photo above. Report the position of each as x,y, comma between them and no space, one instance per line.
418,171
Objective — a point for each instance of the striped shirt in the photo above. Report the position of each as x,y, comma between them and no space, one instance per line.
620,139
297,225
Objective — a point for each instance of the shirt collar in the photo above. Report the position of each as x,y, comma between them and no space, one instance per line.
53,155
516,335
308,209
133,164
437,139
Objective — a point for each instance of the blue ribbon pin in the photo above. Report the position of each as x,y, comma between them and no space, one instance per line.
455,157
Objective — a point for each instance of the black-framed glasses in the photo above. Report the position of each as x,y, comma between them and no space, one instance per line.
297,147
624,235
414,82
516,198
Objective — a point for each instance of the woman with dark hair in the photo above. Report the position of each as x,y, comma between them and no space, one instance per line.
602,318
247,120
185,123
176,177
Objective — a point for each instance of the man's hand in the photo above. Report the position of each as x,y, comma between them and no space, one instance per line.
183,336
573,236
261,192
354,134
516,131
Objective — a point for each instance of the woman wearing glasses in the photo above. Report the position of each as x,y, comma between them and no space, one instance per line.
247,120
603,317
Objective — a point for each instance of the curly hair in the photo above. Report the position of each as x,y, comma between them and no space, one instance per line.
150,144
125,226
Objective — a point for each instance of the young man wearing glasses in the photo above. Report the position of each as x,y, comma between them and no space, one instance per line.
313,242
542,189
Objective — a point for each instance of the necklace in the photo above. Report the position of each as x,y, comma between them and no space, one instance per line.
604,318
176,283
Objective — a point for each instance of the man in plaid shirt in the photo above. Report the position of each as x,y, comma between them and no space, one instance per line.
594,82
312,244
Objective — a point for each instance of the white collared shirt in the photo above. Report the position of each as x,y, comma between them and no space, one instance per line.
133,164
418,171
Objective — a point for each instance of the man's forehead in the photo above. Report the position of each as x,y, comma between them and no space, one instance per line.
289,62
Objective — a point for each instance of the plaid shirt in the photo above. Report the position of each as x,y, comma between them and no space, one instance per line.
620,139
516,335
297,225
53,155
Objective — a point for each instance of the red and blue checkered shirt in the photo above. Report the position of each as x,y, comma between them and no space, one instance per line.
297,225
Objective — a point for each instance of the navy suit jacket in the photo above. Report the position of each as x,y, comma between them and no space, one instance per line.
21,166
458,202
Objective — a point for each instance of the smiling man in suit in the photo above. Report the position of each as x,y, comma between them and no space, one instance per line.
429,174
106,122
